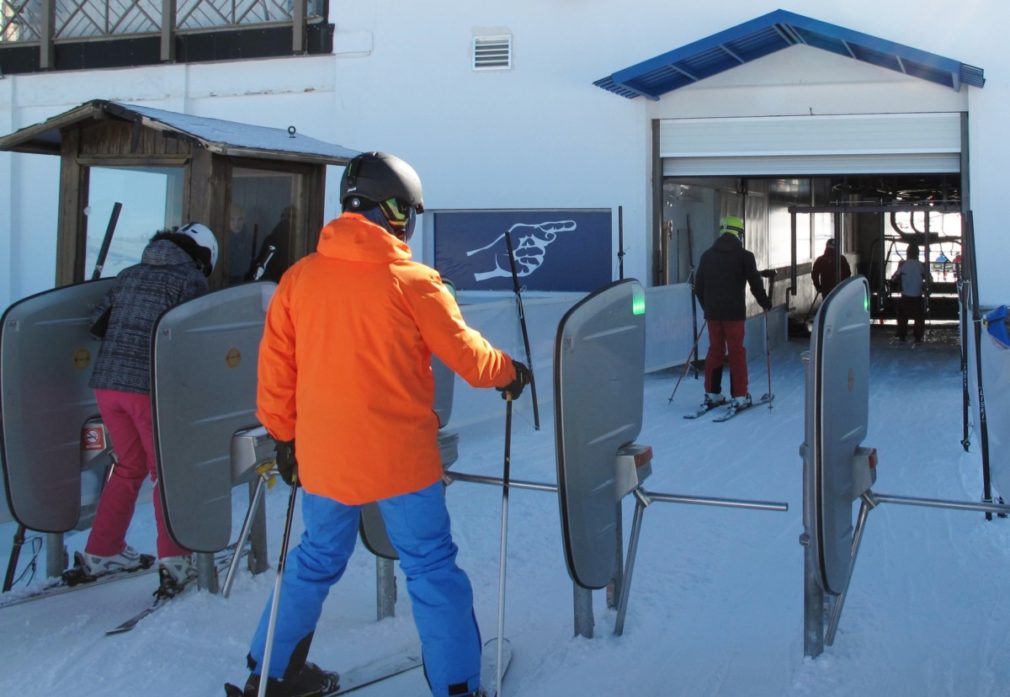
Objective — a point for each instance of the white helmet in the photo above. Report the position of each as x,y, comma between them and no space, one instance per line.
202,235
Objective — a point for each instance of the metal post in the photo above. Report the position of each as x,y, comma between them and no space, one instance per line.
206,572
243,536
583,599
385,588
258,562
813,601
56,554
857,537
641,501
617,582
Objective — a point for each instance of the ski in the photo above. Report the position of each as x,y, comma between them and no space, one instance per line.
361,676
221,561
75,579
704,409
733,410
161,600
489,665
390,666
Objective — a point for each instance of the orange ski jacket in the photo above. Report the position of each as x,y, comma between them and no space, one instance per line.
345,364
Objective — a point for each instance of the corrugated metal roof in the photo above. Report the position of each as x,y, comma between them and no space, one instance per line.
224,137
773,32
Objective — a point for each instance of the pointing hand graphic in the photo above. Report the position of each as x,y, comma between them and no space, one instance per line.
531,242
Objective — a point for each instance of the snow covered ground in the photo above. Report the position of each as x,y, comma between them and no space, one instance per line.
716,606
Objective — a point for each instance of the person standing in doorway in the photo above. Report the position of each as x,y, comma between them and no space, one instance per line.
345,372
823,271
173,268
725,269
241,247
913,278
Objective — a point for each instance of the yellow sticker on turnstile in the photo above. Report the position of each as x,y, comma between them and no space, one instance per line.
82,358
233,357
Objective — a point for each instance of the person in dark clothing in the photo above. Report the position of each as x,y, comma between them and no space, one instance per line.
173,269
823,271
723,271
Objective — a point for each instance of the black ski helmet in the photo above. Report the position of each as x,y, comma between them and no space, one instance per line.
378,179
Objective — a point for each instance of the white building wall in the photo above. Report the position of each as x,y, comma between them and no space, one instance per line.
539,135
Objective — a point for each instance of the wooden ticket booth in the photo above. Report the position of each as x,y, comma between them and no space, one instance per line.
253,186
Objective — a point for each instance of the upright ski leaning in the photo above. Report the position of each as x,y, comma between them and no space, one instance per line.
362,280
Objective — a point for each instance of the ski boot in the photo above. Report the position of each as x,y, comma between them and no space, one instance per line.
88,567
713,400
742,402
311,681
174,574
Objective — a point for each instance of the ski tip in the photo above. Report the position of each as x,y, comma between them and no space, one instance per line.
492,644
232,690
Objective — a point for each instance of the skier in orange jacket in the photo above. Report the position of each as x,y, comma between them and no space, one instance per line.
345,372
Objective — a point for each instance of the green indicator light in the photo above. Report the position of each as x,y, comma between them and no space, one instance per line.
638,302
866,302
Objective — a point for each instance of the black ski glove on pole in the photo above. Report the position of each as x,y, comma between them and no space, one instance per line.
287,465
512,390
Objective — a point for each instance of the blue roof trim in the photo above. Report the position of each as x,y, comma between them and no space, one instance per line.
773,32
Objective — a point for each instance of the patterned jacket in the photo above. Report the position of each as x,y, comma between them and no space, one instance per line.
165,277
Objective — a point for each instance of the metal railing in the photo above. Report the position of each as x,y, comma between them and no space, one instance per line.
24,21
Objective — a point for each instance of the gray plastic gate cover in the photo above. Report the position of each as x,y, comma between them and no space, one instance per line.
372,527
203,390
599,367
46,360
840,350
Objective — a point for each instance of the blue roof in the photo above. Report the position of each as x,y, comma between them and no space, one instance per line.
772,32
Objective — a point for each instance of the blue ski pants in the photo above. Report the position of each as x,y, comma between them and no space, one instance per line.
440,592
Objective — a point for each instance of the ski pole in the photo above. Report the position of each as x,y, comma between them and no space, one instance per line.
687,365
768,361
811,309
522,325
503,546
103,251
276,600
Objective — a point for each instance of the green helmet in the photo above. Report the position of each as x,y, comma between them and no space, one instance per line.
731,224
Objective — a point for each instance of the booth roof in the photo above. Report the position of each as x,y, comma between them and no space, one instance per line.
228,138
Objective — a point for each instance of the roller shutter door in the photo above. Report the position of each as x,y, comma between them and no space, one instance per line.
811,145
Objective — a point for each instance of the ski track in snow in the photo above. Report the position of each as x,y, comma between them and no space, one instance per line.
716,605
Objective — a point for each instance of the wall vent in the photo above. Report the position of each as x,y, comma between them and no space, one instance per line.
492,52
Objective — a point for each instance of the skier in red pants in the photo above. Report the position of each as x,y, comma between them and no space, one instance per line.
723,272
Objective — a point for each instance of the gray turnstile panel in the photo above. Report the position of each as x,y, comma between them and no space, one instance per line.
599,368
203,390
47,354
373,529
836,422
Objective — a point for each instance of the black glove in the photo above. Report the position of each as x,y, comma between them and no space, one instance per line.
767,306
287,465
515,388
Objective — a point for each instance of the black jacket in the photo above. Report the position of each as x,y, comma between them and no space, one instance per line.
725,268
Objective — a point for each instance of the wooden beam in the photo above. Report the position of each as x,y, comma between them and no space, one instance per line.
71,232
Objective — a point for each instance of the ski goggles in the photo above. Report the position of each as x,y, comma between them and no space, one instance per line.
402,217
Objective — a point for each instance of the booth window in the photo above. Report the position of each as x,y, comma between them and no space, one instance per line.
152,199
